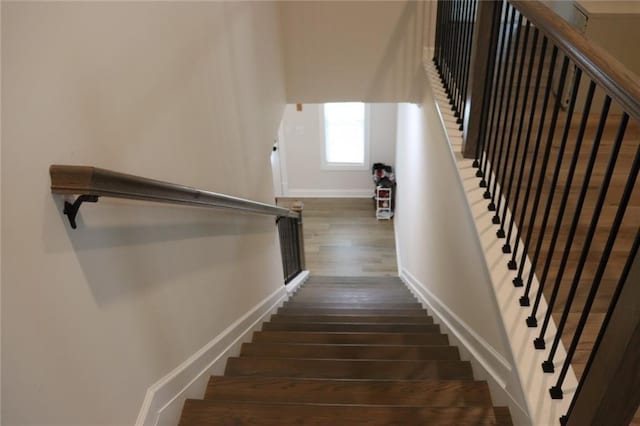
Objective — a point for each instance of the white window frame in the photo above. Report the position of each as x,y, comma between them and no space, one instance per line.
326,165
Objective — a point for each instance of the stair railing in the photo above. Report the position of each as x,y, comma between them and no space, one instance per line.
563,191
91,183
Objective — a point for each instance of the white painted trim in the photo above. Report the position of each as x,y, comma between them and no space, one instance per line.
487,355
331,193
164,399
293,285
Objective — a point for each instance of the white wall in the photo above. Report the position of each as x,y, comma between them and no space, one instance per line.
190,93
439,253
302,147
353,50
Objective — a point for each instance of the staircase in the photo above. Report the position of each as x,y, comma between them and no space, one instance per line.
347,351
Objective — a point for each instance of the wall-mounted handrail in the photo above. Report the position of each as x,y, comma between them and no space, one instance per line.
606,71
93,182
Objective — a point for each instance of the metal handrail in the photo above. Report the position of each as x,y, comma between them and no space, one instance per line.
90,183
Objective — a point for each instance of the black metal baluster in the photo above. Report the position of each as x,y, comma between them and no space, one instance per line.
536,150
491,141
289,247
517,281
457,58
445,42
438,40
461,58
496,120
294,247
283,246
556,391
482,142
500,233
452,52
443,30
531,320
492,205
604,187
449,47
516,100
469,24
524,300
467,57
506,248
605,322
539,341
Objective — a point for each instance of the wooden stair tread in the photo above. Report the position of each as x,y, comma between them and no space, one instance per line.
348,368
432,393
305,350
198,412
352,318
351,337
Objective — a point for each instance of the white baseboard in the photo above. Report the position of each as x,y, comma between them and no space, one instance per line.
331,193
488,364
164,399
292,286
399,266
486,354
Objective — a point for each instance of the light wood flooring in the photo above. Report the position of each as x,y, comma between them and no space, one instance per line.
342,237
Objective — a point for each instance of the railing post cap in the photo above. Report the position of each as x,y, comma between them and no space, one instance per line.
297,206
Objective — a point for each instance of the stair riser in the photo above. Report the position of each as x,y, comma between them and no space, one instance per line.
343,369
346,305
419,313
356,300
350,351
416,393
227,413
351,327
351,318
351,338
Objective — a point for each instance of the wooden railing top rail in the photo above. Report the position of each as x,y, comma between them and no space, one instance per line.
93,182
606,71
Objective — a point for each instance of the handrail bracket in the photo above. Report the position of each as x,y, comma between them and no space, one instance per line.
71,209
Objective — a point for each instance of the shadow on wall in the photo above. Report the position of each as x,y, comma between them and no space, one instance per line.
148,255
402,53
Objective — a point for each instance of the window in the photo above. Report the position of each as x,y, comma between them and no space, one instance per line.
345,136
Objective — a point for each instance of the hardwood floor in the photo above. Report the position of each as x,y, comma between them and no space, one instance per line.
342,237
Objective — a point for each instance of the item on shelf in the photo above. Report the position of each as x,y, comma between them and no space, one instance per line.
383,202
385,180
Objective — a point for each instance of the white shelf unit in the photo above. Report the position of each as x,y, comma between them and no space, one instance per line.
383,203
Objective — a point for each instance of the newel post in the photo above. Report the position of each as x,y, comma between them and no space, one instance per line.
298,207
485,38
609,393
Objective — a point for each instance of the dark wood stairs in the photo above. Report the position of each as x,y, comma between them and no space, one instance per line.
347,351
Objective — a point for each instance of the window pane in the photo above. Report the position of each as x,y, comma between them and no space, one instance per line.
344,132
